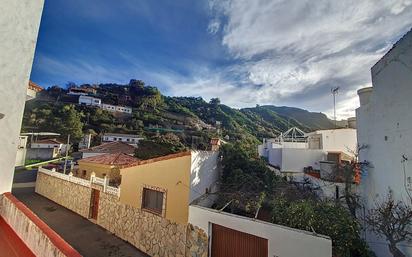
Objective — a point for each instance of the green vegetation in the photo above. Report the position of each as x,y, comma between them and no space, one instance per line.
159,146
248,187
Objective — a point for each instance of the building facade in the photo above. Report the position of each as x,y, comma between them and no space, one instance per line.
89,100
384,121
20,21
126,138
167,185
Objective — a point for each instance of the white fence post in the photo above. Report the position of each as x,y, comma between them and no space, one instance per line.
105,183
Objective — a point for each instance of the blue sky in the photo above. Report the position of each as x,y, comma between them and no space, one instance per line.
280,52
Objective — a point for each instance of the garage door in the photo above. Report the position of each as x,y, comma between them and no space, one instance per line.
227,242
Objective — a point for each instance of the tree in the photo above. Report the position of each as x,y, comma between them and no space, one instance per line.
392,220
214,101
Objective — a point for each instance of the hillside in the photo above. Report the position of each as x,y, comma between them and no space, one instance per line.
192,119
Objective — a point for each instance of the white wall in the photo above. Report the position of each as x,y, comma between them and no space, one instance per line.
88,100
384,122
283,241
19,24
204,173
295,159
343,140
275,157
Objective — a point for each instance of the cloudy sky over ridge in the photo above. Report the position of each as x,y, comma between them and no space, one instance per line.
244,52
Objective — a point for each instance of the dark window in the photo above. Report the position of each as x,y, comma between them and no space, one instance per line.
115,138
152,200
84,173
127,139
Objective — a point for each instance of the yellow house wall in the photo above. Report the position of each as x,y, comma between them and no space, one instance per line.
172,175
98,169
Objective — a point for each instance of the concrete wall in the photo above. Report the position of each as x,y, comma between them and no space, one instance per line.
384,122
295,159
339,140
283,241
171,175
205,172
72,196
38,237
19,25
41,153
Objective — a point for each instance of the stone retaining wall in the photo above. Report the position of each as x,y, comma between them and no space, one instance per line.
38,237
70,195
150,233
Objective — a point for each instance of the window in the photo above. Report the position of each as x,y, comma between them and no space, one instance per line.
115,138
127,139
152,200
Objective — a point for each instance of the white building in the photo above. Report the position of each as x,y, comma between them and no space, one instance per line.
293,152
108,107
89,100
116,108
32,90
204,173
126,138
21,151
49,143
267,238
384,121
124,109
20,22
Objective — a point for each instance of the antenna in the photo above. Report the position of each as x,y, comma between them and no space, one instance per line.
334,92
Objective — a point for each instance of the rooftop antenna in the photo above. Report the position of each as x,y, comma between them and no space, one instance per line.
334,92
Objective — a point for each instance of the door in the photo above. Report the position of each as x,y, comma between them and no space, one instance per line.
94,204
227,242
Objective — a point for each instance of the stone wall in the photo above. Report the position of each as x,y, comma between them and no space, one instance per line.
150,233
70,195
38,237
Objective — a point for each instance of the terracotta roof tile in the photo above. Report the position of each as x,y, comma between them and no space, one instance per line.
34,86
111,147
157,159
48,141
117,159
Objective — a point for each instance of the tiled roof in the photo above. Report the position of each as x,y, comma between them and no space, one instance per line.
111,147
157,159
117,159
34,86
48,141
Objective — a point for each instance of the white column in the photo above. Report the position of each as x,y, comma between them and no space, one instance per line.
19,25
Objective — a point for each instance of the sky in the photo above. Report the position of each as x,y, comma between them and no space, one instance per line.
246,52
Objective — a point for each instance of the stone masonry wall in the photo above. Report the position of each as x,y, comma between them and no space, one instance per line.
150,233
70,195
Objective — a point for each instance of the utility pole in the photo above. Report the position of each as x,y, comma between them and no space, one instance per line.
67,154
334,92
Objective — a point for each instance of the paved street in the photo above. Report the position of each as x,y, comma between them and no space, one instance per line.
89,239
25,176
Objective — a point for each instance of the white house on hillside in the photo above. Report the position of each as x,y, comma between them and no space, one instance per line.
294,150
117,108
126,138
89,100
384,121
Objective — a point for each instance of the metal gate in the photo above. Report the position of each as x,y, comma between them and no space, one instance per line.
227,242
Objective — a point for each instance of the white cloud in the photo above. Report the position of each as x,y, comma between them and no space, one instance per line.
289,47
